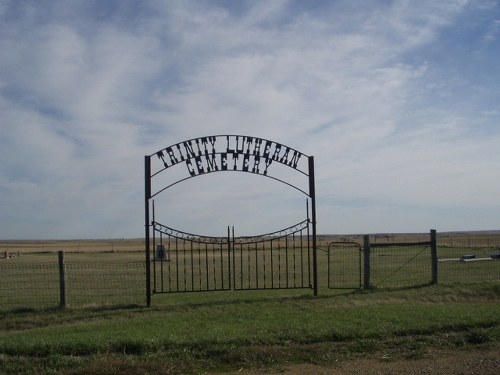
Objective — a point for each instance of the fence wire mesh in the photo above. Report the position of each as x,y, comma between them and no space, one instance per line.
400,266
37,285
467,261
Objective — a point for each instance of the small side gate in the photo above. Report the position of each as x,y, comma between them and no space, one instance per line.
345,265
382,265
184,262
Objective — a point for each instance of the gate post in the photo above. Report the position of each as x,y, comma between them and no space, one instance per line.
62,280
147,182
367,262
312,194
434,257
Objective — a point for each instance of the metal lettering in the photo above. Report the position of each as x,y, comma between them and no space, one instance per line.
235,159
256,149
256,162
295,159
180,152
199,165
248,141
162,157
188,147
277,150
189,167
211,163
223,161
170,153
238,153
246,159
267,149
268,163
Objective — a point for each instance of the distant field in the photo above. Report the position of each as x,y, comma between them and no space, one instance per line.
111,245
137,244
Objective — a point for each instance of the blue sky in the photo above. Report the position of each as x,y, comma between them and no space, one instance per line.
398,101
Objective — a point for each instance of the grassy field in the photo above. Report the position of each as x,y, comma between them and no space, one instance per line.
195,333
107,329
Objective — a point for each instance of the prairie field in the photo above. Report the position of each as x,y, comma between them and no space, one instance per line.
402,325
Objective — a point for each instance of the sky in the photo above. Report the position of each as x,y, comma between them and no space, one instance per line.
398,102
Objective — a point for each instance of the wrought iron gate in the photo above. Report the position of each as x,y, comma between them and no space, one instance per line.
177,261
184,262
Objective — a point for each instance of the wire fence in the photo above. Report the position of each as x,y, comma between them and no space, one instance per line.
42,285
400,266
361,264
40,280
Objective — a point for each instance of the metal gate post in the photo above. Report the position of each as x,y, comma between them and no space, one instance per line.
312,194
147,196
434,256
367,262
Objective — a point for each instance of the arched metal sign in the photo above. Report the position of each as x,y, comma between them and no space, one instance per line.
226,153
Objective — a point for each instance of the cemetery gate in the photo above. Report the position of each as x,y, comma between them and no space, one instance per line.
179,261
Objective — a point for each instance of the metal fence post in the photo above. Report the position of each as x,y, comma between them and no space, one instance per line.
62,280
434,257
367,263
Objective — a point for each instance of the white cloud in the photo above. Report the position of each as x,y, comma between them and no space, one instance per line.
86,92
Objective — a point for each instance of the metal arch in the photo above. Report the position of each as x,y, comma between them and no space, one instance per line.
224,240
226,135
188,236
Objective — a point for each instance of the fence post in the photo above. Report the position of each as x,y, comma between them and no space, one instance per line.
367,263
62,280
434,256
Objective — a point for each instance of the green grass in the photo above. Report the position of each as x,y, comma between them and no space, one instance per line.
190,333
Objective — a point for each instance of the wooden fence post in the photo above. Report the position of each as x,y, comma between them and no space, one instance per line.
367,263
62,280
434,257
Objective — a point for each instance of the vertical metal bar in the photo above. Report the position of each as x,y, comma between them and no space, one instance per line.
367,260
312,194
147,196
257,265
294,261
177,263
214,266
264,262
206,266
222,266
169,262
192,267
308,244
62,280
154,258
272,266
234,258
248,265
184,263
199,266
302,258
360,284
286,260
434,257
161,260
229,255
241,266
279,263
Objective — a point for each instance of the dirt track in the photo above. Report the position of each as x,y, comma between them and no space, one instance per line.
446,363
